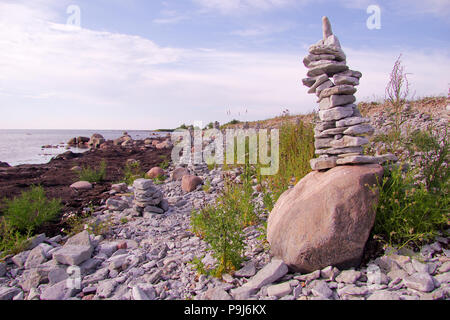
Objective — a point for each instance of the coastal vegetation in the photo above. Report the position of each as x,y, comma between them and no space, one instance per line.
25,214
93,175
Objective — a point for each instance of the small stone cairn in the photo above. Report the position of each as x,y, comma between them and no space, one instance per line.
148,198
340,133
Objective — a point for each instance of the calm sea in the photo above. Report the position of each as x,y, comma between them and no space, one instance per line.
25,146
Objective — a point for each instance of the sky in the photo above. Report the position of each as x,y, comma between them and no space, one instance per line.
143,65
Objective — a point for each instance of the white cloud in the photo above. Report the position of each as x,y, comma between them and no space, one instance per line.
54,76
233,6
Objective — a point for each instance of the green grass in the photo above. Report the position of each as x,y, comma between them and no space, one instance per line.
131,172
221,225
23,215
407,213
296,151
93,175
31,210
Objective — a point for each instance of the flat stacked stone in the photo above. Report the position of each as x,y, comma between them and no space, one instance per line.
147,197
341,132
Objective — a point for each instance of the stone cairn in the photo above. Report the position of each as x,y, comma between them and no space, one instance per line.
148,198
339,135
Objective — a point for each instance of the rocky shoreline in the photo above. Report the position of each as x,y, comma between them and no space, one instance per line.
148,248
147,255
60,173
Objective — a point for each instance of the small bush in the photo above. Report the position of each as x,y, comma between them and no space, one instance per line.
432,148
93,174
221,226
407,213
31,210
131,172
11,240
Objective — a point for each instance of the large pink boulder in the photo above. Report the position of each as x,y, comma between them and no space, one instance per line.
325,219
189,183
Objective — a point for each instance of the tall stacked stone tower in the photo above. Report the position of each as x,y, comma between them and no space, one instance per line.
340,133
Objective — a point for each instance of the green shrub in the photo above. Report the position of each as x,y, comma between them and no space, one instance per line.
296,151
31,210
93,174
221,226
11,240
407,213
432,146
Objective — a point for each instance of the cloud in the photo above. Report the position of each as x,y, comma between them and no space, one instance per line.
54,76
262,30
171,17
233,6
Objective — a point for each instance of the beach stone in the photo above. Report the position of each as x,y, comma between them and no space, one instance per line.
348,276
348,122
341,100
7,293
20,258
279,290
340,79
217,294
349,141
153,209
189,183
106,288
359,130
35,258
320,289
325,219
351,290
323,163
36,240
96,140
59,291
116,205
420,281
384,295
73,254
120,187
357,160
143,184
326,28
155,172
324,125
329,68
320,49
338,90
337,113
82,185
178,174
317,82
337,151
325,85
139,294
249,270
323,143
57,275
272,272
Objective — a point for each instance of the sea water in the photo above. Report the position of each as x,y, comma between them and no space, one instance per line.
25,146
